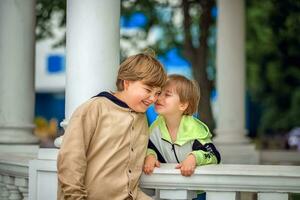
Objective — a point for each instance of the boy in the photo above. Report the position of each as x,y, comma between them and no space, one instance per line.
176,136
105,143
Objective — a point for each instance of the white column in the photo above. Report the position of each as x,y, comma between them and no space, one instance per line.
17,44
231,132
93,43
92,60
231,72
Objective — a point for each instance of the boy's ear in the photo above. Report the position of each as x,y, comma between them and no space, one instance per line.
125,84
183,106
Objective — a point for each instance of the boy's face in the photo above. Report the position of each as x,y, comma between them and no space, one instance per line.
168,102
140,96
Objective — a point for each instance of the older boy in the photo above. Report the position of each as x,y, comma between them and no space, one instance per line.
105,143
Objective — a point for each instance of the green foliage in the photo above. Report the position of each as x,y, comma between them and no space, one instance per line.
159,15
168,17
188,26
273,65
185,25
45,9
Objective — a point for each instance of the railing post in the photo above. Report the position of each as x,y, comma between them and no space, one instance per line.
215,195
177,194
272,196
4,194
14,193
22,184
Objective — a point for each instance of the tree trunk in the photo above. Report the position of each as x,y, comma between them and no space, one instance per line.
199,57
200,72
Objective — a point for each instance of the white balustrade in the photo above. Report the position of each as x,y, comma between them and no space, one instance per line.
22,184
13,192
4,194
14,177
226,182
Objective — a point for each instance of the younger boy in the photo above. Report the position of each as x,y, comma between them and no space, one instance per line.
105,143
176,136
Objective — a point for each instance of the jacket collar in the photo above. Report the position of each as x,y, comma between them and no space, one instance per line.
190,128
112,98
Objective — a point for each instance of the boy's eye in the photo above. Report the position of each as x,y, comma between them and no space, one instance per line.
168,94
148,90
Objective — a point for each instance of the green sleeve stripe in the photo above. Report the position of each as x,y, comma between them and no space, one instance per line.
151,152
204,158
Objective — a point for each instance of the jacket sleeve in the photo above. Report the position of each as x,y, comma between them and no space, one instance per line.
205,152
72,160
154,151
151,152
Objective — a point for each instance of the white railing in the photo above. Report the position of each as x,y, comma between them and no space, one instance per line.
220,182
224,182
14,177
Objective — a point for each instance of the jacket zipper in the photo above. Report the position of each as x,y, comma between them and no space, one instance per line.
173,148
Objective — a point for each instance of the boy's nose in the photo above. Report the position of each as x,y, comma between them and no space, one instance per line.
153,97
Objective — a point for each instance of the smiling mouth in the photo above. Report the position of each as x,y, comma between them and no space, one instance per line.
158,104
146,103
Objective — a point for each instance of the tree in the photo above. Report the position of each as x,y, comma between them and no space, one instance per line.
190,35
273,62
273,65
45,9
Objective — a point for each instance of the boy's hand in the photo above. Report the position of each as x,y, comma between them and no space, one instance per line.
150,163
187,167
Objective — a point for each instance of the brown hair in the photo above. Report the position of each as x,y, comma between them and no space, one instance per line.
141,67
187,90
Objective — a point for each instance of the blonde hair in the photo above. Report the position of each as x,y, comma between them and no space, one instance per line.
141,67
187,90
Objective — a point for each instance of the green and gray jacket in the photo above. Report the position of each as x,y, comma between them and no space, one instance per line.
193,137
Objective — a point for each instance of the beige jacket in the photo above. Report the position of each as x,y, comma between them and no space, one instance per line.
102,152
